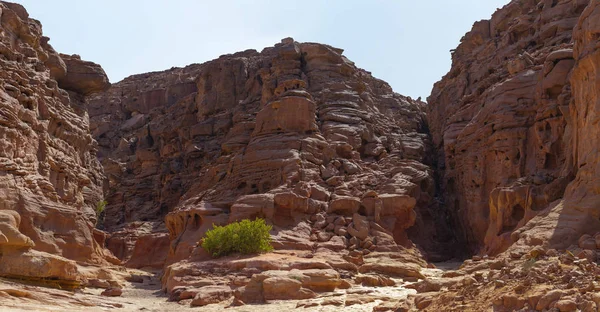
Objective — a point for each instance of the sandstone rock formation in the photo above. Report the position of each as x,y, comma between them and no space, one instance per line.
340,165
17,260
577,213
296,134
506,123
50,179
583,193
539,280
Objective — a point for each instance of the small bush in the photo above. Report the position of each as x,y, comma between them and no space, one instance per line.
100,206
245,237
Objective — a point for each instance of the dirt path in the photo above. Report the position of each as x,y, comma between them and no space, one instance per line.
147,296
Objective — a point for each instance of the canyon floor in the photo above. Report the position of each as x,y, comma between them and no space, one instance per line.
148,296
542,280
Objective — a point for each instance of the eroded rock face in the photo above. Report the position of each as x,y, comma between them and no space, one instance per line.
578,213
329,155
583,194
50,179
82,77
18,260
503,120
296,134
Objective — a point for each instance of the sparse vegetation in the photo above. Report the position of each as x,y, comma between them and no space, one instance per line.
100,206
245,237
527,265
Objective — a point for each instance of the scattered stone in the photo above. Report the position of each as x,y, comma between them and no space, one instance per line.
211,294
112,292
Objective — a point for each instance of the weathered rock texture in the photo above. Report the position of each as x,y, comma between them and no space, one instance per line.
296,134
50,179
515,120
583,194
330,156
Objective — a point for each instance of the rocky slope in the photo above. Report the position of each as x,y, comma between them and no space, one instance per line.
296,134
50,178
341,166
506,122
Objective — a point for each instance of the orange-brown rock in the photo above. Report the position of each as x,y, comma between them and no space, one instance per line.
9,231
112,292
504,120
285,288
50,179
296,134
582,196
140,245
82,77
332,158
18,260
211,294
548,251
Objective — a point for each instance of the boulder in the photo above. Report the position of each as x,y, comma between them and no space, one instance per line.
211,294
83,77
112,292
284,288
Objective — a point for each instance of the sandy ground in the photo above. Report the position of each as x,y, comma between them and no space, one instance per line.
147,296
136,297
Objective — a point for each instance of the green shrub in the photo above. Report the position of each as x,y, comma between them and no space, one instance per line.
100,213
245,237
100,207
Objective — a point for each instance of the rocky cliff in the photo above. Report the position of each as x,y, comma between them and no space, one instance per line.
50,178
506,121
516,126
583,193
361,184
296,134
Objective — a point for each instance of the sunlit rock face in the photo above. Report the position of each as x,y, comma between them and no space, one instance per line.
50,178
583,194
293,134
508,122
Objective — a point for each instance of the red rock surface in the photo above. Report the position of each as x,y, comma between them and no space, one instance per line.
50,179
583,193
296,134
506,125
340,165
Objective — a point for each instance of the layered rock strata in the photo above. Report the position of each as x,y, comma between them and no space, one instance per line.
50,179
507,119
330,156
296,134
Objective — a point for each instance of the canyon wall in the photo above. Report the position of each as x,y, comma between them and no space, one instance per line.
296,134
359,183
507,122
579,211
50,178
583,194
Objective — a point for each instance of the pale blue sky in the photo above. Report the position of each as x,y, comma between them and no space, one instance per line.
405,43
